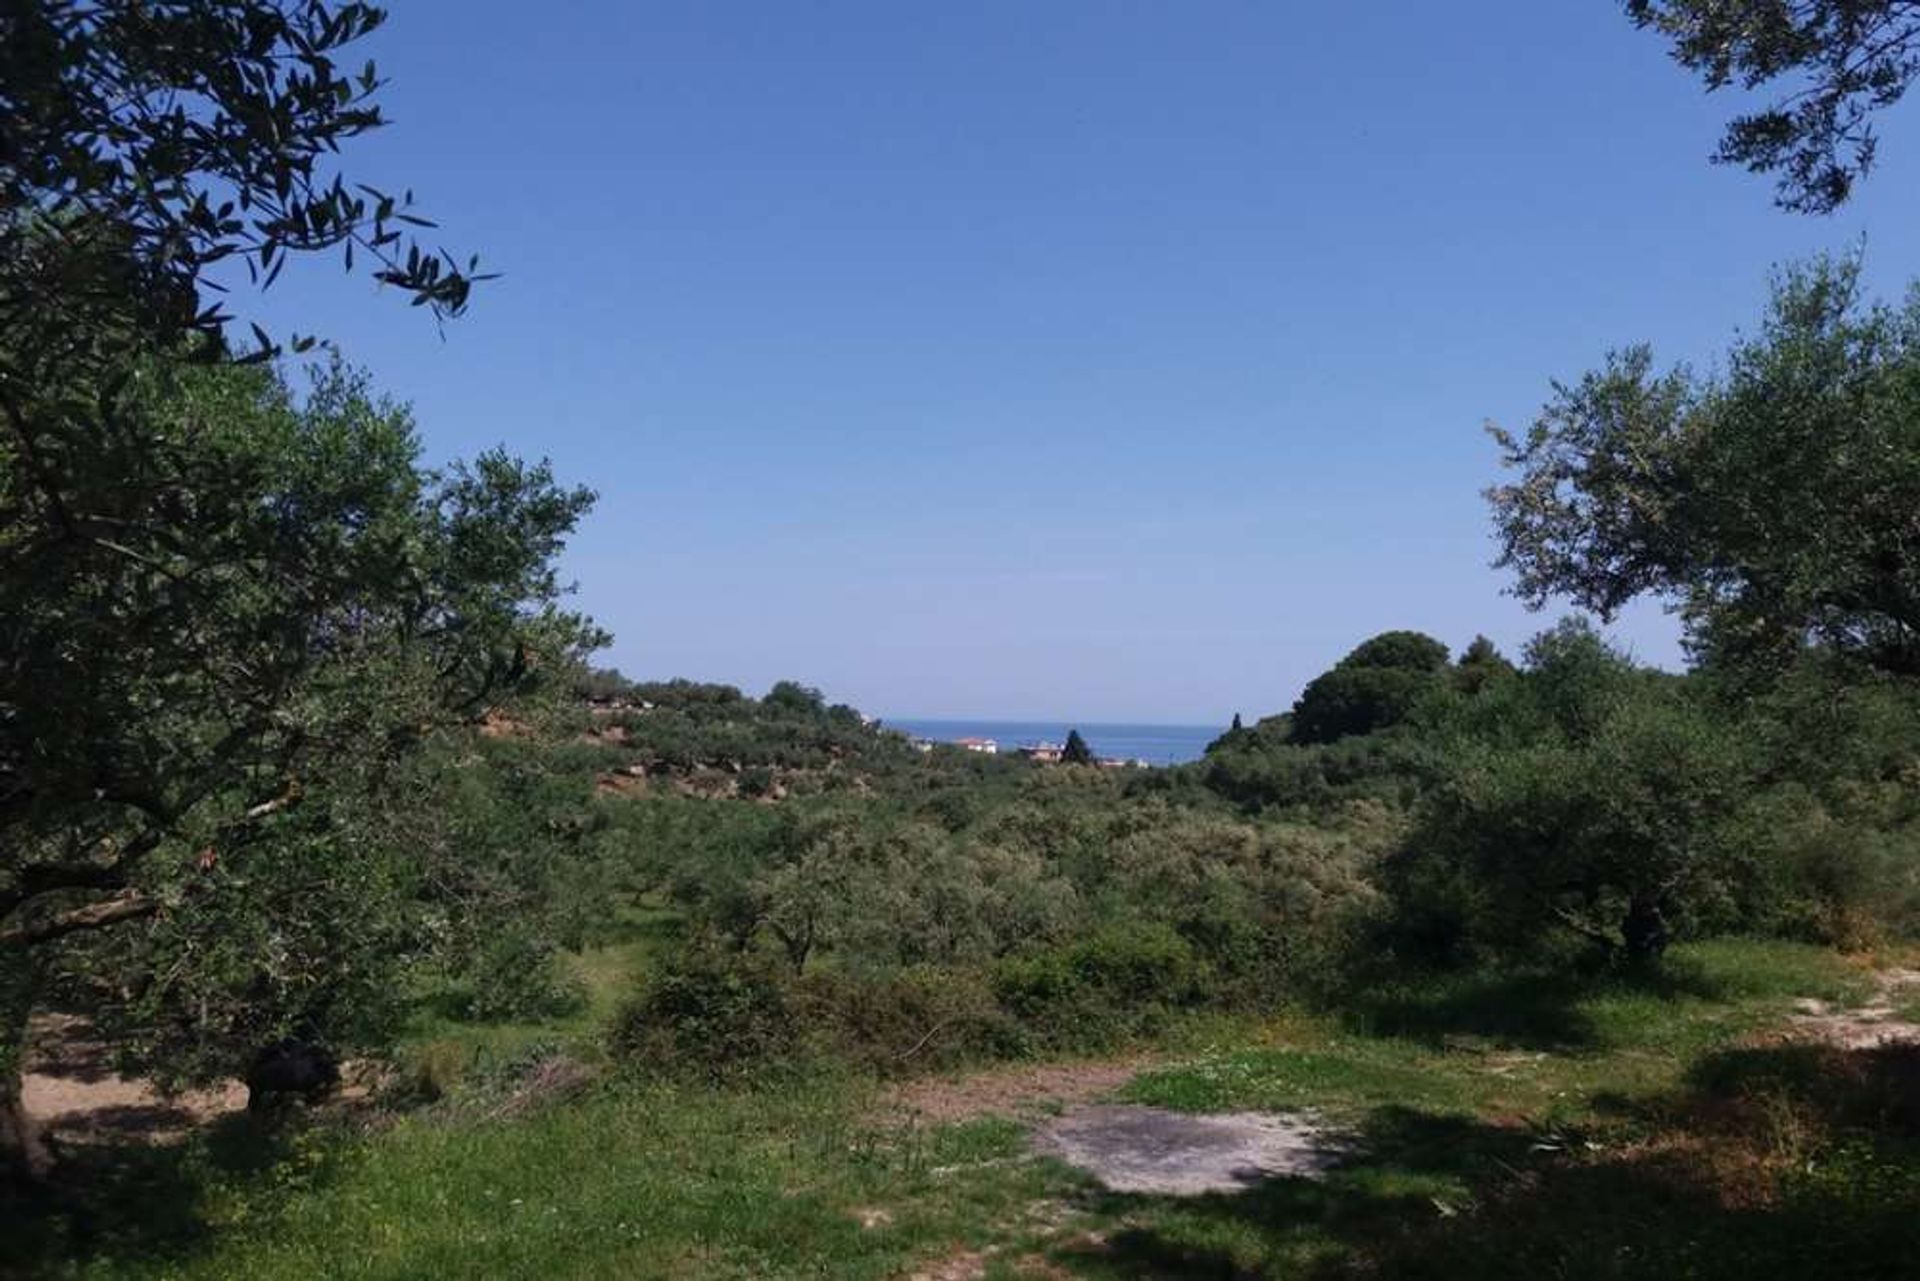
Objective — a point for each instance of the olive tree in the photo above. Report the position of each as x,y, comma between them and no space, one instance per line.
1774,503
156,153
223,609
1586,795
220,610
1836,63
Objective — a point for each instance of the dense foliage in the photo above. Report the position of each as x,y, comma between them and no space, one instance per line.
1775,502
229,614
298,747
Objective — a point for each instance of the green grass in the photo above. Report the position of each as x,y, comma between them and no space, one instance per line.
1533,1044
607,974
1509,1125
633,1182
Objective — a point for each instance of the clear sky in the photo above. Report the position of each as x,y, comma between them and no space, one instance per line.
1100,361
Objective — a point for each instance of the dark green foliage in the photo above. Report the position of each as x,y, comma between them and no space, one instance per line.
717,1014
1374,687
1076,751
1630,806
790,698
1839,60
1103,987
208,708
1774,503
146,142
1481,663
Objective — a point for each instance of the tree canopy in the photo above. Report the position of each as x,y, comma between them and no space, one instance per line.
1774,502
1836,63
1076,752
1373,687
155,152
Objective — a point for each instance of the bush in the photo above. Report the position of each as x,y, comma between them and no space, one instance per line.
1113,983
517,978
714,1014
916,1019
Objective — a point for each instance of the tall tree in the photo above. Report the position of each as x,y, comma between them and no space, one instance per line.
205,590
1076,752
222,608
1776,504
1836,63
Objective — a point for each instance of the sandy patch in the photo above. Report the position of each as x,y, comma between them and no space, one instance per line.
72,1092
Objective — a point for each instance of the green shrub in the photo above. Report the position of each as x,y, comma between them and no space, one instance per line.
912,1020
709,1013
516,977
1115,982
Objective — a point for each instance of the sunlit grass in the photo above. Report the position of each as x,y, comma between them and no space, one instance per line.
1511,1124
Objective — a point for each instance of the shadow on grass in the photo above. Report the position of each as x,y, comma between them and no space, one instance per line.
1537,1009
132,1201
1782,1161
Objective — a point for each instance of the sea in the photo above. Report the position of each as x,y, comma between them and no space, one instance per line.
1154,744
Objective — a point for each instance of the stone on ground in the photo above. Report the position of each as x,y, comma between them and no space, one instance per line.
1153,1150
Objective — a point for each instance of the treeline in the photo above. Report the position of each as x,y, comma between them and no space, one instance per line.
1413,807
680,725
1579,792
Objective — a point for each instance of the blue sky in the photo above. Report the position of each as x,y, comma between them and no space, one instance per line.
1097,361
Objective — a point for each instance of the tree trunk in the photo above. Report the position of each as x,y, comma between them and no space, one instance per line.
23,1157
1644,930
22,1154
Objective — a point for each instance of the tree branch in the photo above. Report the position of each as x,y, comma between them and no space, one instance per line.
1586,929
126,906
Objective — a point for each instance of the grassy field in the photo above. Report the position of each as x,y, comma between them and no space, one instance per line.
1520,1125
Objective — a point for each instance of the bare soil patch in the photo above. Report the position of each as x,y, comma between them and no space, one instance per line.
1019,1090
73,1094
1876,1023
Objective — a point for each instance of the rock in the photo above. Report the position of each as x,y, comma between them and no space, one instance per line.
1153,1150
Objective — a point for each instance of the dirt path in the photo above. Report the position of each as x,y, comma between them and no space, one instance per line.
73,1094
1878,1022
1021,1090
